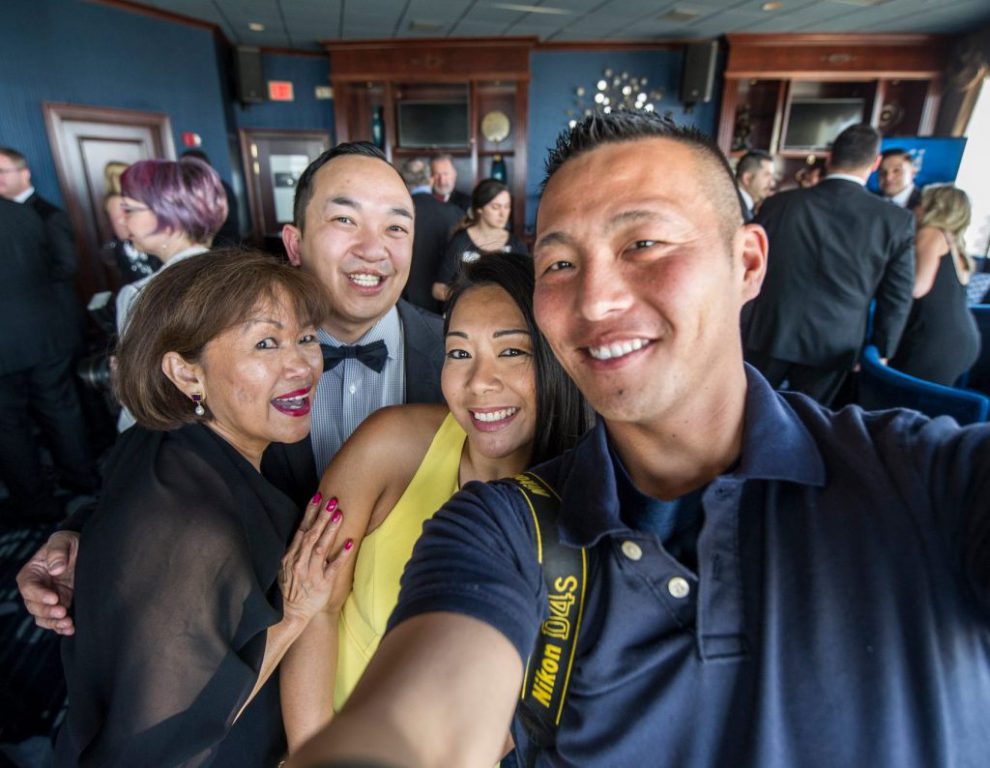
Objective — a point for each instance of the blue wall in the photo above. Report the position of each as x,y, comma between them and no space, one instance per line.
554,76
90,54
303,114
83,53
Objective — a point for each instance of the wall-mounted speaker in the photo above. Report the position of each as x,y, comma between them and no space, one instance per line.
698,73
249,80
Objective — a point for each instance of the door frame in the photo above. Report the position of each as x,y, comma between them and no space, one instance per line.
252,172
57,113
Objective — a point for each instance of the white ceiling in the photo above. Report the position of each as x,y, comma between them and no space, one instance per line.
303,24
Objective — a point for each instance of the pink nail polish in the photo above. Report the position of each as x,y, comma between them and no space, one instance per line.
332,504
317,498
349,545
337,515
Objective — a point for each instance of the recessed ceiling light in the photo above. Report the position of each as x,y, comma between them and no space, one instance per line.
531,8
773,6
425,26
255,26
680,14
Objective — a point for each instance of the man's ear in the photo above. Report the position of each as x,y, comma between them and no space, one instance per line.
292,240
751,243
187,377
876,163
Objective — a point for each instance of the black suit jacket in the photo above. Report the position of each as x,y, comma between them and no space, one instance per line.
434,222
460,199
833,248
64,265
291,468
913,201
32,331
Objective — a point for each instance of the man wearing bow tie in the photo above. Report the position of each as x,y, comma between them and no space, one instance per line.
354,230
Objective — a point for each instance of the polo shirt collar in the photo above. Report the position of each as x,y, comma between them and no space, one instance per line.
776,446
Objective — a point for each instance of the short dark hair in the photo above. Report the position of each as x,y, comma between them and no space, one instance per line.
186,195
622,125
14,156
562,415
752,161
304,186
198,154
897,152
856,147
188,305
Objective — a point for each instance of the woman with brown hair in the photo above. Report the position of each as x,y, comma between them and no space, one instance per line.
184,601
941,340
482,231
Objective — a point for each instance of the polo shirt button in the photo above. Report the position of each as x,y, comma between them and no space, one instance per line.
631,550
678,587
353,388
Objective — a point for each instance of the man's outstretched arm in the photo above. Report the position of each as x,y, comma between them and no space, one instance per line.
440,691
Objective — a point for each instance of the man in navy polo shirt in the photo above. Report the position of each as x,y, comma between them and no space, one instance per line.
770,583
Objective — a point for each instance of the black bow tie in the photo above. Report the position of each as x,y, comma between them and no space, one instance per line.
372,355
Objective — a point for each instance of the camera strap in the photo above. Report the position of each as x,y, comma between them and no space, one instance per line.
565,571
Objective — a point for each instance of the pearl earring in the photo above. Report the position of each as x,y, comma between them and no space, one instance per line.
199,410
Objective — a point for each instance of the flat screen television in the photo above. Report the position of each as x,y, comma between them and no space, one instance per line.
813,124
433,124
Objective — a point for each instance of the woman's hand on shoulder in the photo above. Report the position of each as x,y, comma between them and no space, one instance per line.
315,565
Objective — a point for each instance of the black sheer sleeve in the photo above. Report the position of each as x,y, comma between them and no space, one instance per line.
171,617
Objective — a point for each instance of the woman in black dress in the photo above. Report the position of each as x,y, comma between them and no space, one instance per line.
481,231
941,340
186,598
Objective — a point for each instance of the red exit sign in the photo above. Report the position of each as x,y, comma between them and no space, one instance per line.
280,90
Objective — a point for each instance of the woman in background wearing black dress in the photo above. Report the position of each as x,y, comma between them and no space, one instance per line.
941,340
481,231
179,619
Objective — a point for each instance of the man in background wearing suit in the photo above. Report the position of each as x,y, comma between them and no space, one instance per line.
833,248
15,184
756,178
444,176
896,179
434,222
35,375
354,230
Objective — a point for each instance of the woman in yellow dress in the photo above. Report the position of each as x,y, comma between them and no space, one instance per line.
509,406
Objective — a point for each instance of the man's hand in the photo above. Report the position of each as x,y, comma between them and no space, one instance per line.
46,582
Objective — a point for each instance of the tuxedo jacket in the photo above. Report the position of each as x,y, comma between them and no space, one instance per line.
291,467
434,223
462,200
64,265
32,332
833,248
913,201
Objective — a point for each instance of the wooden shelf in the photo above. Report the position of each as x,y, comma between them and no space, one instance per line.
897,77
487,74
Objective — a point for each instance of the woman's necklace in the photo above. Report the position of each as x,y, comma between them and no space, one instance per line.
490,240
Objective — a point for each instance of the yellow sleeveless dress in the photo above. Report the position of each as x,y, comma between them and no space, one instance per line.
384,553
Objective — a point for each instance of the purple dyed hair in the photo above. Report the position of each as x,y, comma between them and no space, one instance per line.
186,196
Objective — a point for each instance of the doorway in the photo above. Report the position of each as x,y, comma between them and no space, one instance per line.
83,140
273,162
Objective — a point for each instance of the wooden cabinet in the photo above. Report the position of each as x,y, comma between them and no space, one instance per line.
791,94
410,98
